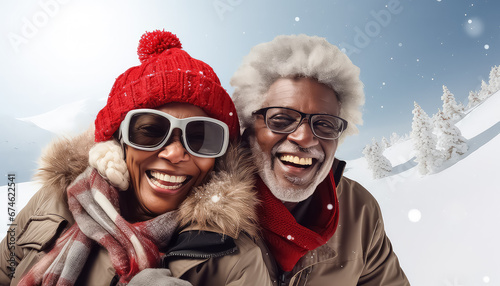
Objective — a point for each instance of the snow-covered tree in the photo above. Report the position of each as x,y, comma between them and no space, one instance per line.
494,83
450,139
484,92
451,109
473,99
427,156
394,138
376,160
385,143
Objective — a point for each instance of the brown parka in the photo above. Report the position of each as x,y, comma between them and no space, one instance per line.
46,217
359,253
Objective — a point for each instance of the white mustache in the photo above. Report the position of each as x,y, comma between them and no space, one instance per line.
288,147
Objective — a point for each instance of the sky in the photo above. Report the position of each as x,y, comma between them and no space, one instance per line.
58,52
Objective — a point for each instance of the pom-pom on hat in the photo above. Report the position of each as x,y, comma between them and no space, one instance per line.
166,74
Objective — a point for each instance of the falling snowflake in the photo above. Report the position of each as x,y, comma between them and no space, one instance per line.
474,27
215,198
486,279
297,19
329,206
400,44
486,47
414,215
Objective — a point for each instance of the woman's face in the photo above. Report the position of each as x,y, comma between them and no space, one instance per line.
162,179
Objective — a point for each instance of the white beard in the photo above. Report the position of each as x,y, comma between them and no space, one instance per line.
300,191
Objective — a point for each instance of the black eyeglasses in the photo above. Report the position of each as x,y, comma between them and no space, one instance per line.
287,120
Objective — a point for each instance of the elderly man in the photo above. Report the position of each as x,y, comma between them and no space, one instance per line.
297,98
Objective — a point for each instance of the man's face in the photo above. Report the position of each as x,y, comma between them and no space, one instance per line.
275,153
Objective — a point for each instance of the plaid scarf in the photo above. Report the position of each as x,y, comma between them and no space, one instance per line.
288,240
94,204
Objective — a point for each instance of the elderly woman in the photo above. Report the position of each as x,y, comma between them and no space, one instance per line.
150,189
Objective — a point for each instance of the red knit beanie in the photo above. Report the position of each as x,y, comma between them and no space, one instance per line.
166,74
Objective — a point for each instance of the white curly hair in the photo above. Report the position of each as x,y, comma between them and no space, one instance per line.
298,56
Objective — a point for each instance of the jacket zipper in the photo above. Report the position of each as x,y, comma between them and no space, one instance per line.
202,256
282,279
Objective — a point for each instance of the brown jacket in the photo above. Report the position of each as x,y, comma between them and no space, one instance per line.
359,253
46,216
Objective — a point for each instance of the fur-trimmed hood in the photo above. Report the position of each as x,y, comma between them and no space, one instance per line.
225,204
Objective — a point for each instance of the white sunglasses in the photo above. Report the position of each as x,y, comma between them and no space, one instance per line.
150,130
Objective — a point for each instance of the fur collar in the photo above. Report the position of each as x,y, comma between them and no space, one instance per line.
226,204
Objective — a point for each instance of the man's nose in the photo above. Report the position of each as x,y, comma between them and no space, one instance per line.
174,151
303,135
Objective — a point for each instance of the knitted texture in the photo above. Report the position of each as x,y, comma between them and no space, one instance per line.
166,74
95,207
288,240
107,158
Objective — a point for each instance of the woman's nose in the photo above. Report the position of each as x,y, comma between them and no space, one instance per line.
174,150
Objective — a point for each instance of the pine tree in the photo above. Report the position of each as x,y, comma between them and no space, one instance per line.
424,142
385,143
494,83
450,139
376,160
368,153
473,99
451,108
394,138
484,92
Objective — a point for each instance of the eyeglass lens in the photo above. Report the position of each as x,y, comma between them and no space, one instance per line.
204,137
287,120
148,130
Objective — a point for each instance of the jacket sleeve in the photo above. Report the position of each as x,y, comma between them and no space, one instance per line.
382,265
33,230
10,252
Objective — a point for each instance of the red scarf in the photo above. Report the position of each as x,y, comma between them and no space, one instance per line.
288,240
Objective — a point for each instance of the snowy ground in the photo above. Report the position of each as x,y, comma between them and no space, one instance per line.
445,226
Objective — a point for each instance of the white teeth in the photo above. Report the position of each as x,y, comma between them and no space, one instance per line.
156,183
168,178
296,160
